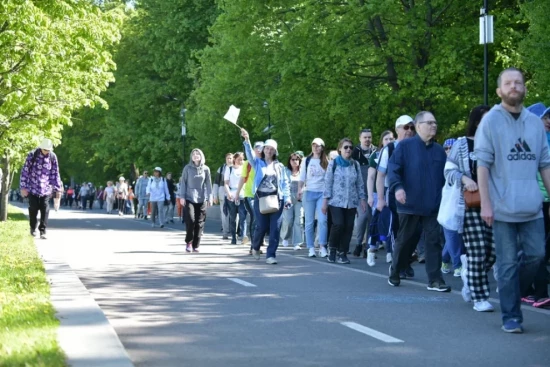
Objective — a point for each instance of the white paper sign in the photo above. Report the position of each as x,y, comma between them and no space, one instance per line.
232,115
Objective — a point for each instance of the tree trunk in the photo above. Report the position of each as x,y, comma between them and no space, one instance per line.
5,188
134,174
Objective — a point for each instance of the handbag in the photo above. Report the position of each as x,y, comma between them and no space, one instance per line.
450,197
472,199
269,204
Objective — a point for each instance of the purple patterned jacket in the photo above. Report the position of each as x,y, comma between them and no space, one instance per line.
41,178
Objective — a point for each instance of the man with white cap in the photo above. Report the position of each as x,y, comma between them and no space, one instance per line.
39,180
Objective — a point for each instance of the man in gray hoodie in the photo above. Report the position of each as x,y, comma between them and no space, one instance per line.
510,147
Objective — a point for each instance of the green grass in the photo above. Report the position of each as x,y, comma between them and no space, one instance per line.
27,319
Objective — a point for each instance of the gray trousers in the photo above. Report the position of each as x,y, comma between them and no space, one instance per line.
157,210
362,222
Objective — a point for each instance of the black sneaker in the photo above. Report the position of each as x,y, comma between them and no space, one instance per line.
358,250
393,280
439,286
145,217
409,272
162,226
331,255
342,258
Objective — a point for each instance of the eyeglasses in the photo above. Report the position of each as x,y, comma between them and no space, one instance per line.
432,122
447,149
408,127
347,147
295,159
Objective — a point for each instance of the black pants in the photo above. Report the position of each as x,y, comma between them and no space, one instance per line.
407,239
36,204
195,216
342,228
70,200
101,202
121,205
91,201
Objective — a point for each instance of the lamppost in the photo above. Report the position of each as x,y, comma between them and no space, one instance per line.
485,37
183,130
266,106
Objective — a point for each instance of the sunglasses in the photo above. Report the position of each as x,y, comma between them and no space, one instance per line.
347,147
408,127
447,149
295,159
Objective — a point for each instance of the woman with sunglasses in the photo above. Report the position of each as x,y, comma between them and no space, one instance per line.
292,218
344,192
312,181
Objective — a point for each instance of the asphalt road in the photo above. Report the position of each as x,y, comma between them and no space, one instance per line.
220,307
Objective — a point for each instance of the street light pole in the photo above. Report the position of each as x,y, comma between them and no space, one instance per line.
266,105
183,131
485,37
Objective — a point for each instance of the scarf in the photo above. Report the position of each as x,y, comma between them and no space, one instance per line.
342,162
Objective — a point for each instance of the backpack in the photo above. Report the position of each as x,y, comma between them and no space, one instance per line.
220,175
35,155
391,148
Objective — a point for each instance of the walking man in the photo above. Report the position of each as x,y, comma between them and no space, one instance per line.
510,146
141,193
418,197
39,180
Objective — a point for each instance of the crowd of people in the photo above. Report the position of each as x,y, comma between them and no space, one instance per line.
477,203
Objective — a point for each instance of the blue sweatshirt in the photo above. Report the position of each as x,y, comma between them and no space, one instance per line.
418,168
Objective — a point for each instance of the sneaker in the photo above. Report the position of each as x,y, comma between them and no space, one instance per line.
189,247
371,258
388,258
421,260
483,306
271,261
358,250
33,233
256,254
381,245
145,218
393,280
285,243
323,252
233,243
171,221
402,274
342,258
439,286
162,226
529,299
331,255
542,303
445,268
43,235
466,294
409,272
457,273
246,240
196,250
225,237
297,247
512,326
311,252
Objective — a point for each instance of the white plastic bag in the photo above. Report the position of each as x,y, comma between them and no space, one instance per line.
449,203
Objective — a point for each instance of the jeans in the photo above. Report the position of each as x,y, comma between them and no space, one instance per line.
195,216
157,209
235,209
225,218
291,230
514,278
169,211
143,204
312,206
101,201
342,228
407,239
453,248
249,206
39,204
83,201
268,222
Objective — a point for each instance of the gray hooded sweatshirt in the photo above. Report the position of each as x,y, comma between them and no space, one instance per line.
196,183
513,151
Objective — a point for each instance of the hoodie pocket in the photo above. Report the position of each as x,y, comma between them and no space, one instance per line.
522,198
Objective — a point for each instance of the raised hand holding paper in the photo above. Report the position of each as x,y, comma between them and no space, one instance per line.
232,114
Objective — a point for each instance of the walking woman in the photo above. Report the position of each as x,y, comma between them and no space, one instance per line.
272,195
121,195
344,192
291,230
109,196
232,177
312,177
480,255
195,196
374,237
157,191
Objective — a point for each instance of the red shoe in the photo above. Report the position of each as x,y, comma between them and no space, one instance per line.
528,299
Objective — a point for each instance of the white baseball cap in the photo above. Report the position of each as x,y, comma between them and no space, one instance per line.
403,120
122,178
46,144
318,141
158,169
271,143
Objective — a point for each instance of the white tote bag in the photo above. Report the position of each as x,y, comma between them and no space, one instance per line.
269,204
449,203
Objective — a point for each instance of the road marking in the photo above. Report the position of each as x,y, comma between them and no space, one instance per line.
241,282
88,221
98,225
371,332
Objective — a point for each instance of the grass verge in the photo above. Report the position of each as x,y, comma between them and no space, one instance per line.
27,318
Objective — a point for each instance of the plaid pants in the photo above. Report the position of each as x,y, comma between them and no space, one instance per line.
480,250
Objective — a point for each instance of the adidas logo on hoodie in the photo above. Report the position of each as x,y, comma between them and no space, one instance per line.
521,152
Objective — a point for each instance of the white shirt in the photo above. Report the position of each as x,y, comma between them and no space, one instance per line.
314,179
383,163
233,175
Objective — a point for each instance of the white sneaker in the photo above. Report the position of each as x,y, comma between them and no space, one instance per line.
256,254
323,252
245,240
388,258
285,243
297,247
483,306
271,261
371,258
311,252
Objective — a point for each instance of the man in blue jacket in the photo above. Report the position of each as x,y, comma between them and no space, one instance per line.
415,173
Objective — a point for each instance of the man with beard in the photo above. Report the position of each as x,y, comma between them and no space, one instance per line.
418,197
510,147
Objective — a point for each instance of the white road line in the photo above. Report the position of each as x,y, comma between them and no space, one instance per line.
371,332
241,282
98,225
88,221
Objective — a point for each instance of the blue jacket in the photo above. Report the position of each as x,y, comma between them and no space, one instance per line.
418,169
